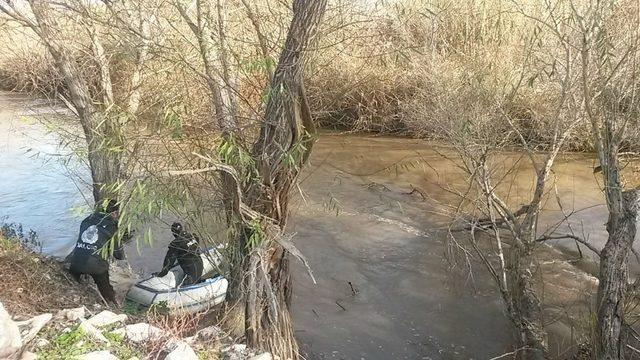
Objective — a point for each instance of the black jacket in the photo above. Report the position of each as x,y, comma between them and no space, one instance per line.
95,231
184,248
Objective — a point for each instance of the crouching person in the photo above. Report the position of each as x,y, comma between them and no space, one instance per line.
185,251
95,231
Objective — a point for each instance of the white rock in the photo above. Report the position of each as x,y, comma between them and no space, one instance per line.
33,326
42,343
97,355
263,356
140,332
182,351
105,318
10,340
235,352
235,348
71,314
209,333
93,332
28,355
191,340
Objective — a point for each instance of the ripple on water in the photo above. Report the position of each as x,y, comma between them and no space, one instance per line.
35,187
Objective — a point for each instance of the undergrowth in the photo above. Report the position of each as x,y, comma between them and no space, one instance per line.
33,284
76,342
416,68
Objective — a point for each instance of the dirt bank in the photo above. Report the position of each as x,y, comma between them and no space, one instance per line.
32,284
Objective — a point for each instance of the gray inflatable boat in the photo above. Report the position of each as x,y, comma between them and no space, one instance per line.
167,290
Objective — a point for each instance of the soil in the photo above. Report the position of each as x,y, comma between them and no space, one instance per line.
32,284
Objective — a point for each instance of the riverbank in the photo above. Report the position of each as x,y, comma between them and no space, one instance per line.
58,318
32,284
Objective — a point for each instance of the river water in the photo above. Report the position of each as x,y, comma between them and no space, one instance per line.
384,289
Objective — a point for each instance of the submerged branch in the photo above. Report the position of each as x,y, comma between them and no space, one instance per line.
569,236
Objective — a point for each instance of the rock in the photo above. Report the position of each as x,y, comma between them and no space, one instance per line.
191,340
42,343
235,348
71,314
33,326
210,333
28,355
182,351
97,355
263,356
93,332
235,352
10,340
134,358
140,332
105,318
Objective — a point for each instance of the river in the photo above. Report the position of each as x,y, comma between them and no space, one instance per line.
384,289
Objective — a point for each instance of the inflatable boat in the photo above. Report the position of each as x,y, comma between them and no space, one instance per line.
168,291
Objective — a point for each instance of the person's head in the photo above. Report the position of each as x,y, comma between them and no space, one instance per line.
176,229
112,208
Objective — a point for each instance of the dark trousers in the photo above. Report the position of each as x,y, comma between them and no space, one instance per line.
193,268
102,281
190,279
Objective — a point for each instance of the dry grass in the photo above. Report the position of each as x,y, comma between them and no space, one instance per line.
417,68
33,285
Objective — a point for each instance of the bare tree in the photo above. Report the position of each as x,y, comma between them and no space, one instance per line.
608,46
105,166
512,229
217,78
101,120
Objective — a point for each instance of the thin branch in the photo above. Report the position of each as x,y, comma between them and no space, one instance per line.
569,236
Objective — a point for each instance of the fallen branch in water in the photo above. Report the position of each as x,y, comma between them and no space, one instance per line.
415,190
581,241
570,236
487,223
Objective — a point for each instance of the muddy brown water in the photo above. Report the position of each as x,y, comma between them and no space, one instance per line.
384,288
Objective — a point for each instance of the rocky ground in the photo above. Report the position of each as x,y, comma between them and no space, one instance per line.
44,314
79,333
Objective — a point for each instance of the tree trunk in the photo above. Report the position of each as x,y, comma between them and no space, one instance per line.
102,137
280,152
526,311
610,335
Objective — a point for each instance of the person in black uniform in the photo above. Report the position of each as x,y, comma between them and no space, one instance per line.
184,249
95,231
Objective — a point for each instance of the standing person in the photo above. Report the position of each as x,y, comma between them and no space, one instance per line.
184,249
95,231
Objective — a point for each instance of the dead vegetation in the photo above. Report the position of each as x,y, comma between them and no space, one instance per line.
32,284
389,68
